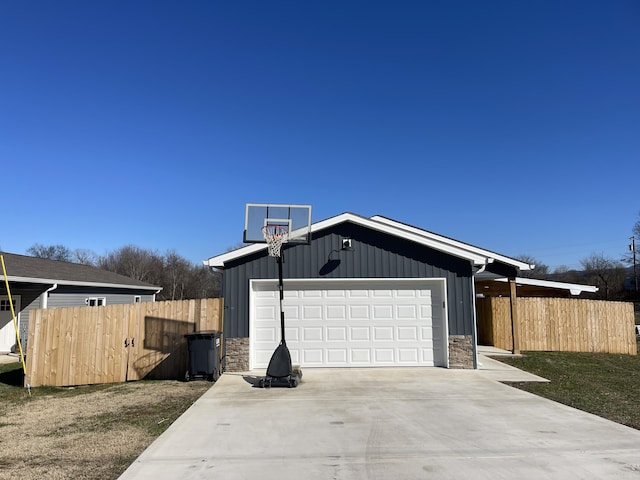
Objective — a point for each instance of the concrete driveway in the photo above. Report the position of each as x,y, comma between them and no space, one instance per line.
400,423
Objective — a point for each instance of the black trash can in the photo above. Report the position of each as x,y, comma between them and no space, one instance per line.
204,356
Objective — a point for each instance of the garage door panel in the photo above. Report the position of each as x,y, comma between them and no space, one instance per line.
361,356
312,334
313,357
291,334
426,334
407,312
427,355
381,293
357,294
400,293
311,312
384,356
383,312
408,356
336,334
335,294
368,324
265,294
336,357
291,312
267,312
311,293
382,334
267,334
359,312
360,334
408,333
336,312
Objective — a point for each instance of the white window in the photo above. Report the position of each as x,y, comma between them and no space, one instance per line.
137,299
96,301
5,306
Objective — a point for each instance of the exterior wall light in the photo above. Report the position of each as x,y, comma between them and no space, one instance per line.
346,245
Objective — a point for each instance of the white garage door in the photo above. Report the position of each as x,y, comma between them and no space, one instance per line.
351,323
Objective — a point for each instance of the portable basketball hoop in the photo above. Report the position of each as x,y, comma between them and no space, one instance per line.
275,236
275,225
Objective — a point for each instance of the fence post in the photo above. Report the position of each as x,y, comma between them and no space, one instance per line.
515,326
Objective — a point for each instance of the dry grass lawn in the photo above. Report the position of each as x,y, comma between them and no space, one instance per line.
85,432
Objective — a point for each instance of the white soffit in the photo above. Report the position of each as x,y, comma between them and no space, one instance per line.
574,288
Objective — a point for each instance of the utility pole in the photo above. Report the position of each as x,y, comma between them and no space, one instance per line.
632,247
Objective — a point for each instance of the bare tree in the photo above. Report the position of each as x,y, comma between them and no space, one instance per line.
84,257
134,262
541,271
606,273
203,283
179,278
52,252
175,274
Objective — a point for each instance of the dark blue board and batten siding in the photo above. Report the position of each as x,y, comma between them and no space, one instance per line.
374,255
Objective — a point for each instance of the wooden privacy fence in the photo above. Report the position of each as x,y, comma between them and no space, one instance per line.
558,324
115,343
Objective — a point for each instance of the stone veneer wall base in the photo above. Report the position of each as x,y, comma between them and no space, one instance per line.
460,351
237,354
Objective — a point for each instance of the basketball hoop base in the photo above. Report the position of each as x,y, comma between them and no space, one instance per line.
290,381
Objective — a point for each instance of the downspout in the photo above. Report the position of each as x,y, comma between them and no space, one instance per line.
474,335
44,303
156,293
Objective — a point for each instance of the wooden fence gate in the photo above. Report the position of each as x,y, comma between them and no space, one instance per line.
115,343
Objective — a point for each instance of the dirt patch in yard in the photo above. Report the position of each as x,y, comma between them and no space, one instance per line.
88,432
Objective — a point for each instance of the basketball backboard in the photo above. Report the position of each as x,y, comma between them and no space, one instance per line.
296,218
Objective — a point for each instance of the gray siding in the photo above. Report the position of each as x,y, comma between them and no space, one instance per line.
76,296
374,255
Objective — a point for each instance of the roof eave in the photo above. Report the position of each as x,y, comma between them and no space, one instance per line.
50,281
479,257
573,288
464,246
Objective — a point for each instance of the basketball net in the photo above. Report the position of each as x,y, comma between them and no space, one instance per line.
275,235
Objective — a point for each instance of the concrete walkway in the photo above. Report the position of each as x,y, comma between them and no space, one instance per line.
8,358
405,423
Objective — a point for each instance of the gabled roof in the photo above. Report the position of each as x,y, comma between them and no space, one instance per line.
21,268
477,256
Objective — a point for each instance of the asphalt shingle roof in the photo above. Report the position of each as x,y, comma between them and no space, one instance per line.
40,268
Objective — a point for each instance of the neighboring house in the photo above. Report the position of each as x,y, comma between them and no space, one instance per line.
400,296
40,283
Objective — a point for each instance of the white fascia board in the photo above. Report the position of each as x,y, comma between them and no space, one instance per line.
50,281
464,246
478,259
574,288
219,260
414,236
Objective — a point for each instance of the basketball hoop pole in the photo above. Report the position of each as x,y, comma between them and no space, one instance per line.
281,288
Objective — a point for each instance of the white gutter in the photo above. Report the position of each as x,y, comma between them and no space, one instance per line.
476,360
44,297
78,283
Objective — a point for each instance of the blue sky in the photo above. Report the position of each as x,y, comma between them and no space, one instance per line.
514,126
